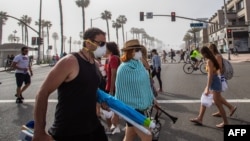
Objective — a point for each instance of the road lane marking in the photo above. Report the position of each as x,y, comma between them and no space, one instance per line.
198,101
159,101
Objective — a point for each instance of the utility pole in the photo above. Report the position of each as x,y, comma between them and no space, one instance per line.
226,26
39,34
70,44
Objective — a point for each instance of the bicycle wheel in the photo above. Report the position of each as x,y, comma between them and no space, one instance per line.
188,68
203,68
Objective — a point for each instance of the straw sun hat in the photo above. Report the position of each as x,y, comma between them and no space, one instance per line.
131,44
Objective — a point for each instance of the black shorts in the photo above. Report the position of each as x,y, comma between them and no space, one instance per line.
129,124
194,59
21,77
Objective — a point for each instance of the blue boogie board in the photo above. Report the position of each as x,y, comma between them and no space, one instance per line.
27,132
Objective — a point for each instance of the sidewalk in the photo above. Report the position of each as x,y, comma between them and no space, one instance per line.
239,58
33,67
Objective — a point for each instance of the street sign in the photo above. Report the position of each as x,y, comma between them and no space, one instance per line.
196,24
149,15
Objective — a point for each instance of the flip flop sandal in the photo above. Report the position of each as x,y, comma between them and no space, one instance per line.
196,121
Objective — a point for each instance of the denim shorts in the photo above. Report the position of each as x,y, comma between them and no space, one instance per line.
216,84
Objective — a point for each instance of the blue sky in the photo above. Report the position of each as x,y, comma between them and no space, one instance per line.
171,33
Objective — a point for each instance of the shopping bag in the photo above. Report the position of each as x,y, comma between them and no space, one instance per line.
224,85
206,100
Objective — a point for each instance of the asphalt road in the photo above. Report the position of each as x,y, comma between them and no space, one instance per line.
181,98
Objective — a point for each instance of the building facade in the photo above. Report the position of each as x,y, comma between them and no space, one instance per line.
13,49
232,33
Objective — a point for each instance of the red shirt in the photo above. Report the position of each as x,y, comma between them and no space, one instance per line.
113,63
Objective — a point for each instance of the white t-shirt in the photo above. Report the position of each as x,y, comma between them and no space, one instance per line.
22,62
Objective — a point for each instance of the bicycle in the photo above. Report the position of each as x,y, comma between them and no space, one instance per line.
189,67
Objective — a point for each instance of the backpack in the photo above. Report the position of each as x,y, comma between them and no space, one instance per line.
227,68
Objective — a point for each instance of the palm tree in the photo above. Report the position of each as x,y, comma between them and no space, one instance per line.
79,43
83,4
122,20
11,38
132,31
116,24
69,42
43,35
106,15
25,21
193,31
187,39
75,43
61,21
81,35
136,31
48,25
141,31
55,37
22,26
64,40
3,19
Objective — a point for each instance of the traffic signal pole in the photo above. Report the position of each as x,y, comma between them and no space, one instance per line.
186,18
22,23
39,34
226,26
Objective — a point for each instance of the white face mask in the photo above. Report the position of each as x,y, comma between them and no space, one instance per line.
138,55
100,51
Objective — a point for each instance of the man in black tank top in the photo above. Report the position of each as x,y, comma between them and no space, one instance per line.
76,79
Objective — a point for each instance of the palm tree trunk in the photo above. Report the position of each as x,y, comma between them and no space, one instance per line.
61,20
43,43
108,29
123,34
83,17
48,36
26,35
48,41
117,36
23,40
1,31
55,48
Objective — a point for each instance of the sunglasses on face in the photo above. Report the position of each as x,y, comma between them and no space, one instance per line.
137,49
100,43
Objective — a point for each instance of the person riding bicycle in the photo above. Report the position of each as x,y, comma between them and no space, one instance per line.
195,56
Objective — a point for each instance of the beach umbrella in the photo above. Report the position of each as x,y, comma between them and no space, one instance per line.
124,109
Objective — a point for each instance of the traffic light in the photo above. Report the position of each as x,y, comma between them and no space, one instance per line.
39,41
172,16
141,16
33,41
229,33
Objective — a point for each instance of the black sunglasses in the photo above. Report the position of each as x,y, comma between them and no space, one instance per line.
100,43
137,49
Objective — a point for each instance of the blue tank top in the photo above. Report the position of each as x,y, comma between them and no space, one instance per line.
76,108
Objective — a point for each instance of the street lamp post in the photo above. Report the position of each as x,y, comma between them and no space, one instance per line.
226,26
91,20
